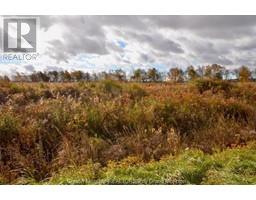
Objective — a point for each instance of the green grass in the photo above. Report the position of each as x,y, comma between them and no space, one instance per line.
232,166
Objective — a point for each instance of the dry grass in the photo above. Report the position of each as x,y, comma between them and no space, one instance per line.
45,127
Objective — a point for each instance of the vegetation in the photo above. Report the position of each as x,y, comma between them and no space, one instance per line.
119,132
233,166
175,74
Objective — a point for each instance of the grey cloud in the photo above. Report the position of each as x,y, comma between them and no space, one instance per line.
213,39
53,68
247,45
85,34
165,45
222,27
74,46
203,21
156,41
1,40
222,60
29,68
147,58
81,35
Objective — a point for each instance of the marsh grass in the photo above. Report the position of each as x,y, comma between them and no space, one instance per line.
47,127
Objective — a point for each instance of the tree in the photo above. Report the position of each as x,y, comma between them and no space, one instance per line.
139,75
226,74
244,74
21,77
214,71
217,71
191,73
66,76
77,75
4,78
200,71
53,76
87,76
34,77
153,75
44,77
253,74
103,75
176,74
120,75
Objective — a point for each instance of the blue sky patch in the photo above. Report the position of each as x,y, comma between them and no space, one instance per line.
121,44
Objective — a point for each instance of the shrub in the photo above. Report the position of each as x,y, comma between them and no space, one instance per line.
136,92
185,117
238,111
15,88
110,87
214,85
9,128
4,83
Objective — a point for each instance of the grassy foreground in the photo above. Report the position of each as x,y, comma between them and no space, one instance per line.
232,166
111,132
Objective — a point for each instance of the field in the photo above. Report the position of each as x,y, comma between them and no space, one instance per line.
110,132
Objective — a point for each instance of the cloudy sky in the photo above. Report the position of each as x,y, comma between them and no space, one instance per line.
97,43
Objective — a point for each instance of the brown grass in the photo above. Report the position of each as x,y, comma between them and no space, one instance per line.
45,127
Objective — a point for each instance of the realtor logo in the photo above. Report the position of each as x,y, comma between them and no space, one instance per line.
20,35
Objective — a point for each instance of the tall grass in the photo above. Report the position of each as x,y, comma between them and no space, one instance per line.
45,128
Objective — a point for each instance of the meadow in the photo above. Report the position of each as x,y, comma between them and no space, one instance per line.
114,132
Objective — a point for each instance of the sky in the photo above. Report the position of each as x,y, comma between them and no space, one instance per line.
102,43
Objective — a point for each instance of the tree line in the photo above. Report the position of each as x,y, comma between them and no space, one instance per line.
175,74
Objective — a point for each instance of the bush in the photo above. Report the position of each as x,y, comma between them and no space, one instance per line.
136,92
214,85
185,117
110,87
238,111
9,128
15,88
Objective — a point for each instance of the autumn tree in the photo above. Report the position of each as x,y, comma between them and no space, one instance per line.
119,74
76,75
214,71
244,74
4,78
176,74
191,73
53,75
153,75
42,76
87,76
65,76
139,75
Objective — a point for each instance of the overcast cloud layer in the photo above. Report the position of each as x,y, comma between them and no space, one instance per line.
96,43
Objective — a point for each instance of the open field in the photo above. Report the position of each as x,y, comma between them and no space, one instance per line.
110,132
